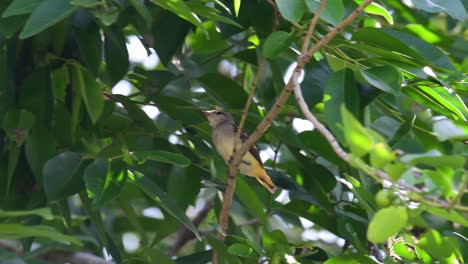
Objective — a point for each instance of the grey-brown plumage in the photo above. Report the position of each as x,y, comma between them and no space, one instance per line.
224,133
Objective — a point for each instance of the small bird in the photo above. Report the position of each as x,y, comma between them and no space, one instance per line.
224,133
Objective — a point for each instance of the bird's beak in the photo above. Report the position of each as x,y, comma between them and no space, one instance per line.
206,112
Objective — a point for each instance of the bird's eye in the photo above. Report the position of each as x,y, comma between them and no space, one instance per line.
219,113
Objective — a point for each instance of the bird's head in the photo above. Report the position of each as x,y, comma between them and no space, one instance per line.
216,117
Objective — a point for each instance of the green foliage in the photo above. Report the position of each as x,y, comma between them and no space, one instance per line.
81,166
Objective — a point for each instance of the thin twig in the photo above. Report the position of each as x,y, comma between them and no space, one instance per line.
310,30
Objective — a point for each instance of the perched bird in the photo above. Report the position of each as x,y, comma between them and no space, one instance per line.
224,133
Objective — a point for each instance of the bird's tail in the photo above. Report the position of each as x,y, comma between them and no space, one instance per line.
263,178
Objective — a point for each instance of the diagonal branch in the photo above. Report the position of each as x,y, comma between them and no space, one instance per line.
301,61
261,128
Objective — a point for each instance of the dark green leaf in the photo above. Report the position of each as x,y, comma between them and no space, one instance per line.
169,157
224,91
350,259
62,176
276,43
90,91
385,78
21,7
104,180
453,8
155,192
179,8
40,147
116,54
47,14
17,231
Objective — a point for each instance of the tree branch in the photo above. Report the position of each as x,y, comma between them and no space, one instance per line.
184,235
261,128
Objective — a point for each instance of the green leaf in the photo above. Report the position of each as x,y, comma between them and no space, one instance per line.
62,176
143,10
381,155
21,7
436,245
45,213
224,91
135,113
169,157
422,52
291,10
40,147
333,12
179,8
206,40
385,223
350,259
158,195
453,8
386,78
90,91
104,180
17,231
241,250
355,134
276,43
237,4
89,44
340,88
435,158
116,54
439,99
250,199
47,14
211,13
169,35
451,215
59,78
376,9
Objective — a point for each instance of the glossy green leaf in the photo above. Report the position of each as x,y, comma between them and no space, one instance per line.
377,9
90,91
47,14
18,231
158,195
276,43
333,12
104,179
450,215
355,134
385,223
179,8
422,52
291,10
62,176
384,78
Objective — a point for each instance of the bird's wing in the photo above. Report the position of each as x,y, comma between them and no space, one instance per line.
253,150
